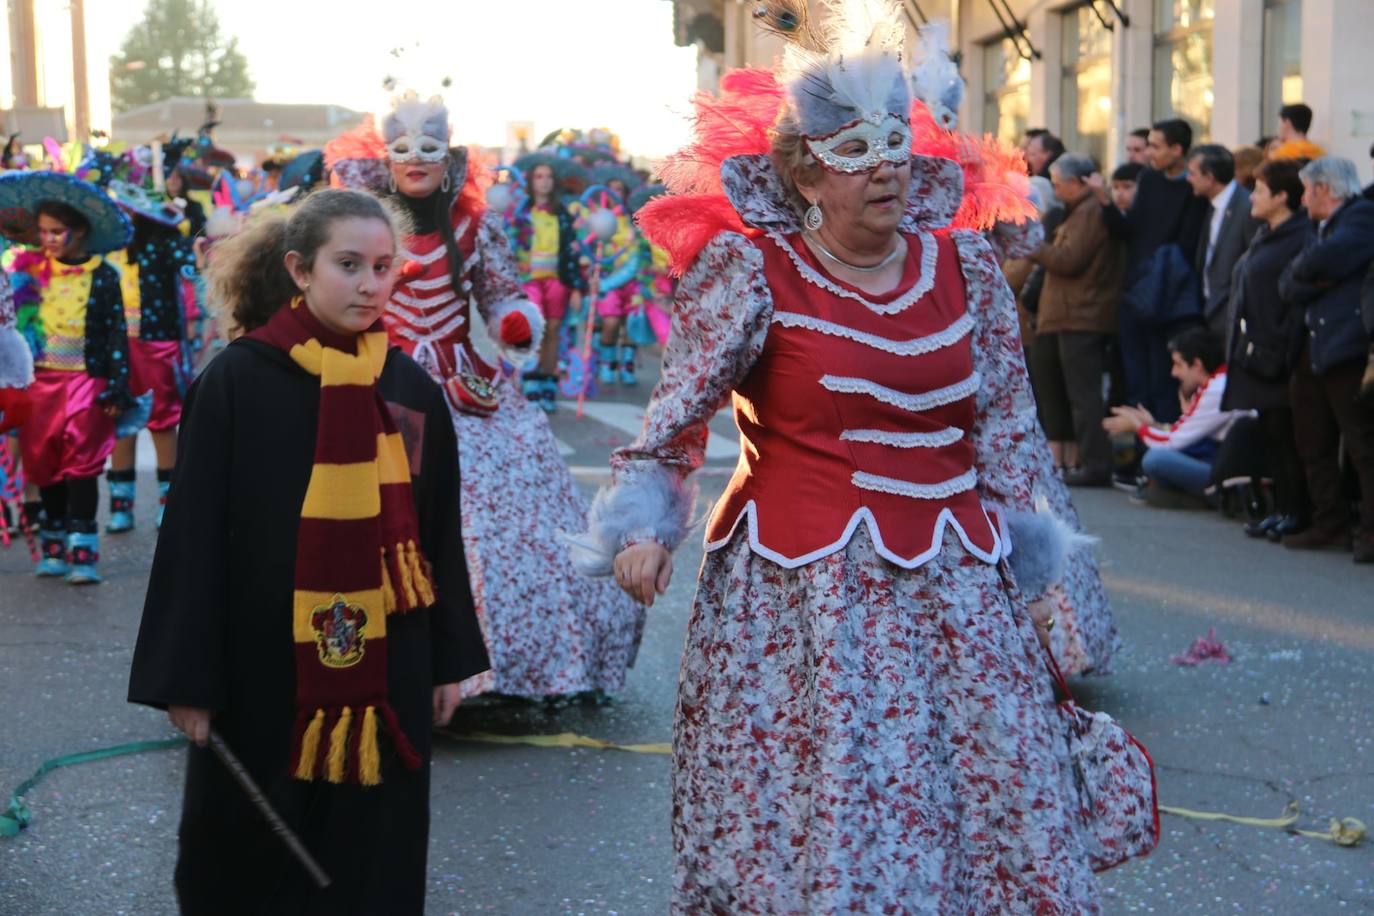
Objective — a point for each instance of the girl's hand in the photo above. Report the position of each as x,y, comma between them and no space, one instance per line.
446,700
191,721
644,570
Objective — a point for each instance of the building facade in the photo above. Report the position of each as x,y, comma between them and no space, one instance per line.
1093,70
48,89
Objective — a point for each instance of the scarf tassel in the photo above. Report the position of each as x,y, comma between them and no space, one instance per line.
406,579
351,752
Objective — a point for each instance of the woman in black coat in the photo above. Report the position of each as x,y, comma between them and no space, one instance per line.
1266,339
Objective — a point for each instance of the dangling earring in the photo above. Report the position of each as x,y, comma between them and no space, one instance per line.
392,182
296,301
446,183
814,217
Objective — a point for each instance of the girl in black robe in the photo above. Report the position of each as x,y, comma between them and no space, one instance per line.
217,625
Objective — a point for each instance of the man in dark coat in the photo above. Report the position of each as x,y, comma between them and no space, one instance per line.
1226,233
1164,213
1325,279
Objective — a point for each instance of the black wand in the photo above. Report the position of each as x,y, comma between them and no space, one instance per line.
250,788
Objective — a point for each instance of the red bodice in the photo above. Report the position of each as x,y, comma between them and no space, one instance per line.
427,316
859,410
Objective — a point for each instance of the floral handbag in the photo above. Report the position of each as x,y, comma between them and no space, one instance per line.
1118,810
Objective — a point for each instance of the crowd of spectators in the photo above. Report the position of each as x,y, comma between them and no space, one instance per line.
1199,327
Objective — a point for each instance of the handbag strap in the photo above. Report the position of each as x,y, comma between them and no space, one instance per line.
1061,685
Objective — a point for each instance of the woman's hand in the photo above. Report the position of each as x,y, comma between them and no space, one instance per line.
644,570
191,721
1042,617
446,700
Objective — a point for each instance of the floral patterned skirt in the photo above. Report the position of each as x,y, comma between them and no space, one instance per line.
1084,637
855,737
549,630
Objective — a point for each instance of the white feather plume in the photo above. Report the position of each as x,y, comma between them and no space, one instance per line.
935,77
866,38
864,42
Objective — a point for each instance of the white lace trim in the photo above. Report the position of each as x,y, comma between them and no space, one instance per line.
940,439
942,490
863,514
930,253
916,346
408,329
438,282
926,400
424,302
426,321
440,250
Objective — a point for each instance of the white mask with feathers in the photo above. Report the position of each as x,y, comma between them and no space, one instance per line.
846,82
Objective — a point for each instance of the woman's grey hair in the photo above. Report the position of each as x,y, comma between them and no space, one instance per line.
790,155
1339,176
1073,165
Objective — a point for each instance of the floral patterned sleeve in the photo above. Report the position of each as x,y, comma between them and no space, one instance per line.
1016,240
1016,477
1005,434
720,321
497,292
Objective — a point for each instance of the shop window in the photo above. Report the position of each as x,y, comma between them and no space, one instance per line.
1086,89
1006,100
1282,59
1183,62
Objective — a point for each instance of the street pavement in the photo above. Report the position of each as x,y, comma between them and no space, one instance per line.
532,830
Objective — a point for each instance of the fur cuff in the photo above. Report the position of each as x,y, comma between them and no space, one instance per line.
16,361
1039,546
654,504
524,356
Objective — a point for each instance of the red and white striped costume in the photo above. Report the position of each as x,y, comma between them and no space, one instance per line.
549,631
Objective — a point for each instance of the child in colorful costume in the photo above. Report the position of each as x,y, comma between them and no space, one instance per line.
619,295
865,721
158,271
547,258
655,277
71,310
549,631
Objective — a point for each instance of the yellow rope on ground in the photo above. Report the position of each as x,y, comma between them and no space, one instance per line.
562,739
1344,832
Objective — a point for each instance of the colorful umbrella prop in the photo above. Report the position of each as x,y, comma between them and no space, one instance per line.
22,192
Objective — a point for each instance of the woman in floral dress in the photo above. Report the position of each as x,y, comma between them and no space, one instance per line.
549,631
865,719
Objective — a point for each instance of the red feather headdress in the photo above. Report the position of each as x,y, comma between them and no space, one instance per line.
737,123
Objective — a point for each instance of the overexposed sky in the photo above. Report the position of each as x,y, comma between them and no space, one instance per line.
558,63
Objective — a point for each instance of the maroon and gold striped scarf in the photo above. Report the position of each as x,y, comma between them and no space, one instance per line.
357,554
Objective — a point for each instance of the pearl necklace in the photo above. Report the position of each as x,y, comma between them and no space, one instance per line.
820,246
